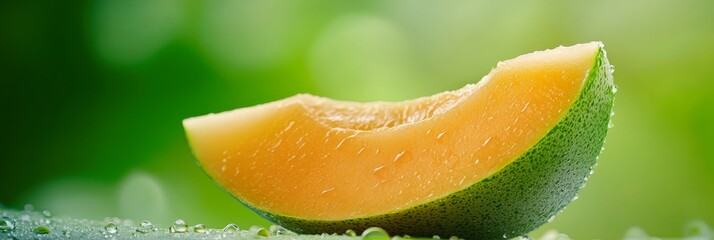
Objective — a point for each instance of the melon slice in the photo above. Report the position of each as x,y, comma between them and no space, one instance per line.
493,159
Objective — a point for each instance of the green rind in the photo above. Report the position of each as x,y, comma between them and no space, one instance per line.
518,198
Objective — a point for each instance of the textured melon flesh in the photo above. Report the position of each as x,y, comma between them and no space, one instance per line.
316,158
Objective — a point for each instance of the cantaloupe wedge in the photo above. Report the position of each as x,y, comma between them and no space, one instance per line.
493,159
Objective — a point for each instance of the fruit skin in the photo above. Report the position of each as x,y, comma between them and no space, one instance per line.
516,199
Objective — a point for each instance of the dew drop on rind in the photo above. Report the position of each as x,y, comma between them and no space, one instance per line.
351,233
199,228
6,224
375,233
111,228
231,228
41,230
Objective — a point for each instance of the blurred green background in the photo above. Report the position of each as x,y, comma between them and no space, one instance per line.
93,93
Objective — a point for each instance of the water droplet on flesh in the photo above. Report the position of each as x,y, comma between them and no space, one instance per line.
486,142
398,156
327,190
440,135
199,228
46,213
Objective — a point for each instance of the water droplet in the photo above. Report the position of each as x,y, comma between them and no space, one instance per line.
610,124
440,135
41,230
351,233
46,213
611,68
29,208
614,88
524,107
486,142
398,156
635,233
375,233
551,218
278,230
698,229
327,190
6,224
231,228
199,228
179,226
612,113
111,228
436,237
145,227
260,231
454,238
25,217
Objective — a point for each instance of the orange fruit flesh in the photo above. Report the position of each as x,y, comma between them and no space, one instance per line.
321,159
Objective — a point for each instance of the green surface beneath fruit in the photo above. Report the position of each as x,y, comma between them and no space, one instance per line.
41,225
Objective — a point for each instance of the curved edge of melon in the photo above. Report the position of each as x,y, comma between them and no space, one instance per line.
558,166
